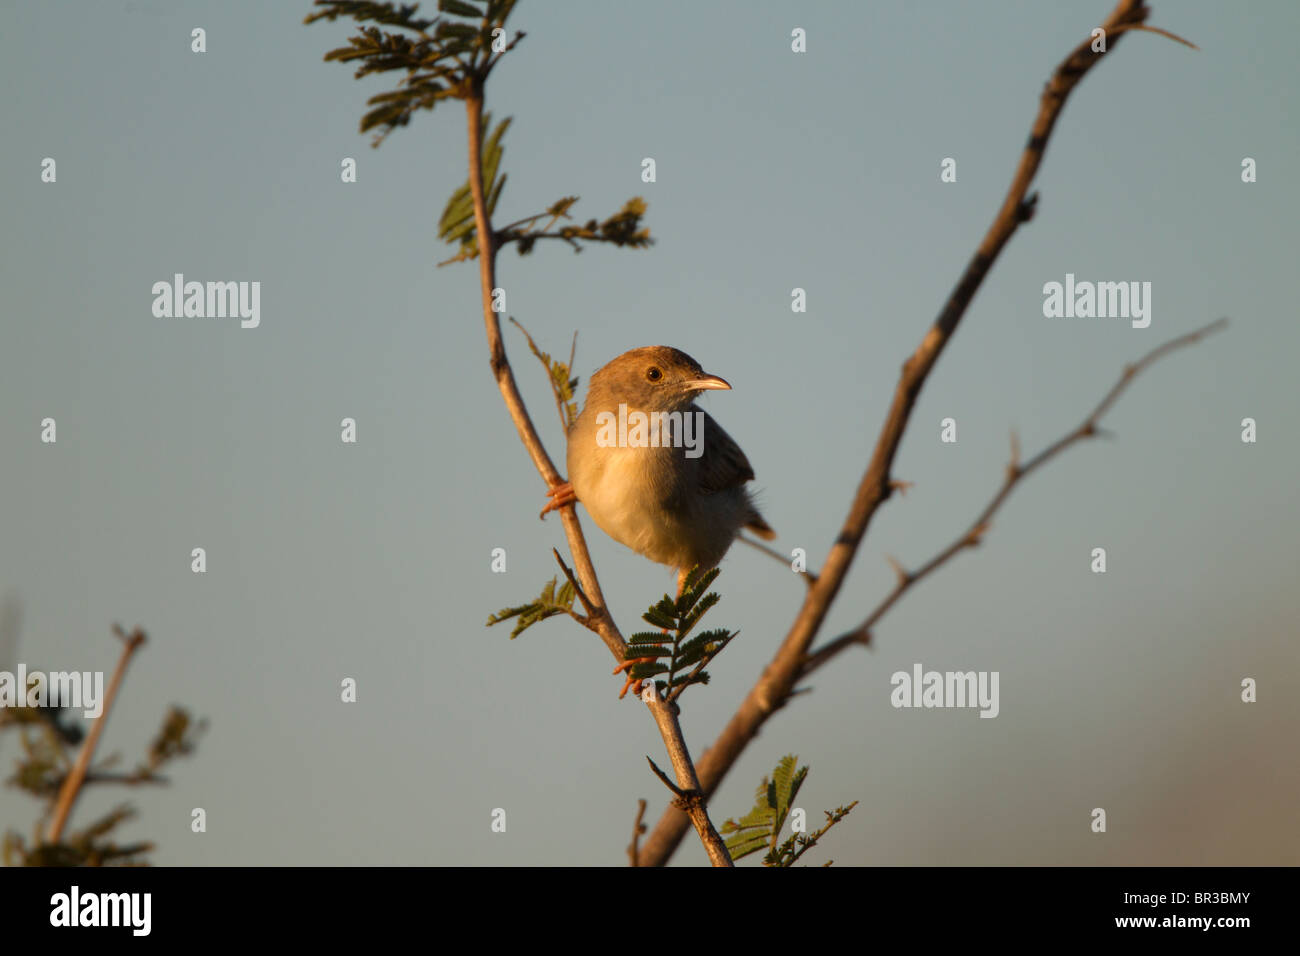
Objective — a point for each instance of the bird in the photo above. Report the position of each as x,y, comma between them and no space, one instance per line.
655,471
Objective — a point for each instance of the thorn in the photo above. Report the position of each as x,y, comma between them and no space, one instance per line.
677,791
901,486
899,570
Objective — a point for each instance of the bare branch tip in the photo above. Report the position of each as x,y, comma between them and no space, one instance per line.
677,791
1165,33
638,829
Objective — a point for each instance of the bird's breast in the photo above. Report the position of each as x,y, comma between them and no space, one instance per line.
636,496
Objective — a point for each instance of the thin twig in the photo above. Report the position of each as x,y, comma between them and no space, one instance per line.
504,375
1150,29
820,656
665,779
577,588
773,687
555,390
72,785
690,798
1015,473
810,578
638,828
573,350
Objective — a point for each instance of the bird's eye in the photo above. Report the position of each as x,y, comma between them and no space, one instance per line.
653,374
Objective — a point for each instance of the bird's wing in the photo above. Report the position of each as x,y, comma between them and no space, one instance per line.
722,465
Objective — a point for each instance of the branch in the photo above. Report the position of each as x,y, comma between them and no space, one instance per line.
638,828
550,370
775,685
690,798
577,589
599,614
1015,474
72,785
810,577
589,593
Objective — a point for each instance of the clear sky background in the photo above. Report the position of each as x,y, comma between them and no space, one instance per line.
775,171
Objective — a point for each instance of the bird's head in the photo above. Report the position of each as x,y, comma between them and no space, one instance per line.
654,378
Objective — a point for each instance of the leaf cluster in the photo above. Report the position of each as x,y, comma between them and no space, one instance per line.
450,56
445,57
564,385
623,228
48,742
86,847
548,604
761,827
671,650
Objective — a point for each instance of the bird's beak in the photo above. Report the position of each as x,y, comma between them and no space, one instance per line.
705,383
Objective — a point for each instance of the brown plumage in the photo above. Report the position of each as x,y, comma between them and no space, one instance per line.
680,505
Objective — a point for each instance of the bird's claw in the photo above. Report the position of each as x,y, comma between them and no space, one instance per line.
628,665
561,496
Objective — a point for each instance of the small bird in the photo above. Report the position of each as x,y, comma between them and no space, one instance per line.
655,471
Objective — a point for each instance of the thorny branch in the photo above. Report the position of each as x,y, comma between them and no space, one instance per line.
777,683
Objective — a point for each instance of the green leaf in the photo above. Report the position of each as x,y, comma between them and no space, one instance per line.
463,31
658,618
548,604
761,827
741,846
495,194
459,208
687,656
459,8
457,223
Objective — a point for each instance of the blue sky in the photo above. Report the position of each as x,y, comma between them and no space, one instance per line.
775,170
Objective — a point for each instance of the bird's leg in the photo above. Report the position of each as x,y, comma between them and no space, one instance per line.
561,496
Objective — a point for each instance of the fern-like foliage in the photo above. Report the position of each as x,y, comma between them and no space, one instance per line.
548,604
450,56
564,385
48,743
443,57
624,228
673,651
761,827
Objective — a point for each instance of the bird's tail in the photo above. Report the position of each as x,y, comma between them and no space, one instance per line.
760,527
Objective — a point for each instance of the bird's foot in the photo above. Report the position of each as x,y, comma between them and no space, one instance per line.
561,496
628,665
